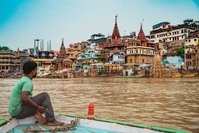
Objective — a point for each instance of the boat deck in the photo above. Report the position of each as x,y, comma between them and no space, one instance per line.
36,127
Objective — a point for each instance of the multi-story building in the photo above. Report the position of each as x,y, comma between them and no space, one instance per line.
7,61
11,61
193,39
192,50
170,33
138,51
192,57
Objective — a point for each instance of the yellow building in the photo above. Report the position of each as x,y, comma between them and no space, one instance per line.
138,51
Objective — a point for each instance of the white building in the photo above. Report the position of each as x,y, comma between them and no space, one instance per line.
117,58
170,34
167,33
193,39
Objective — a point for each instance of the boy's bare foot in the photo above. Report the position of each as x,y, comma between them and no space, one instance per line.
40,118
55,123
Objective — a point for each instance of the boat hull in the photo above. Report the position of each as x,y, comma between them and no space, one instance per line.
99,125
133,76
189,75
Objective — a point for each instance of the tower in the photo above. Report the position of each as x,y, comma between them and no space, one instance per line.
62,53
36,46
49,45
142,37
116,33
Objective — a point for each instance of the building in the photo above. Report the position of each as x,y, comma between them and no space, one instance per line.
61,62
85,59
161,25
138,51
168,33
97,36
113,46
192,57
7,61
193,39
12,62
117,58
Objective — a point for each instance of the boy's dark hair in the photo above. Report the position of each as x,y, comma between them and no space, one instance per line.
29,66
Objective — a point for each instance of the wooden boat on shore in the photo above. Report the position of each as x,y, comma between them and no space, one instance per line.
189,75
176,76
98,125
132,76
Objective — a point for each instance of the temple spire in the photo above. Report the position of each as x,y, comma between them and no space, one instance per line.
116,33
62,41
116,19
62,50
142,36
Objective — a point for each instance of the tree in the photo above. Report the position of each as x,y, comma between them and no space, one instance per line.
181,52
100,58
4,48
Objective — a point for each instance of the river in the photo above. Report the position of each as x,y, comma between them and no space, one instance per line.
171,103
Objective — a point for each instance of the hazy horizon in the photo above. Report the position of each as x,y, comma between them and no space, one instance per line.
22,21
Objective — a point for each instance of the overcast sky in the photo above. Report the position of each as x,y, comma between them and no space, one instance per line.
22,21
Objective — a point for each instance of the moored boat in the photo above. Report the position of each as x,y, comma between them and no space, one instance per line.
132,76
176,75
189,75
98,125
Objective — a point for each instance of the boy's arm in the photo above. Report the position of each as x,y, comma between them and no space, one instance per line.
25,99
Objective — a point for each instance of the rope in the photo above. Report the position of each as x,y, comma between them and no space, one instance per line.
63,128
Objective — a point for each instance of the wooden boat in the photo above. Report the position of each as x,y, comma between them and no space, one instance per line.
189,75
176,76
98,125
171,76
132,76
165,76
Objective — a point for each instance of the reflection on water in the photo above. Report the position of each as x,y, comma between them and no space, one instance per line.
172,103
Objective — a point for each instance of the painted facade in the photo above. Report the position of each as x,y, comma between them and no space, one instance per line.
138,51
90,54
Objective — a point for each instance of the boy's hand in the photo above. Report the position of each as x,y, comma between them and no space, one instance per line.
41,109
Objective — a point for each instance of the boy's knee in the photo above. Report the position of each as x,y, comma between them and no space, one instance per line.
44,94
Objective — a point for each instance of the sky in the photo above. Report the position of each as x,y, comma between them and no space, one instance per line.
22,21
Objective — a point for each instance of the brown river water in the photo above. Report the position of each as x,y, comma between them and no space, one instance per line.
171,103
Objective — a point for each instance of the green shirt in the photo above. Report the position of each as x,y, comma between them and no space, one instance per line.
24,84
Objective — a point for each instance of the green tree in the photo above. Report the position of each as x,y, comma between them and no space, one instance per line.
100,58
181,52
4,48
